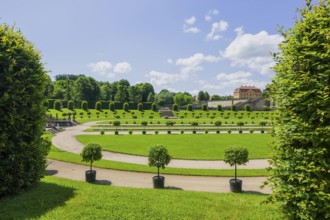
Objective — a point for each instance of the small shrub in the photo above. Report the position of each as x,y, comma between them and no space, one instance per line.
168,132
58,105
130,132
156,131
204,107
98,106
102,132
182,131
112,106
218,131
189,107
140,107
126,107
206,131
229,131
70,105
84,105
175,107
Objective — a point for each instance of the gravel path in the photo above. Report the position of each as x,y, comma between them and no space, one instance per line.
66,140
144,180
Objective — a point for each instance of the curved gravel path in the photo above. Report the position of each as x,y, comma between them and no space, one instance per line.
66,141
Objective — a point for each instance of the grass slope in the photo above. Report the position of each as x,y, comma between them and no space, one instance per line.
56,198
203,147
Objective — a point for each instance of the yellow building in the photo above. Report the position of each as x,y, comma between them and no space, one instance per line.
247,92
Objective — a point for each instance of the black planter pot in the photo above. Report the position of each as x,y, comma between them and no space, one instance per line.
158,182
235,185
90,176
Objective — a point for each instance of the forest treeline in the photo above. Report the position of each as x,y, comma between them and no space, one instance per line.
79,88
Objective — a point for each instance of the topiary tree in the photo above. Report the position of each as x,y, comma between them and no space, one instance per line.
204,107
233,107
175,107
126,107
236,156
247,107
98,106
189,107
112,106
84,105
70,105
22,115
219,107
301,88
154,107
140,107
90,153
158,157
58,105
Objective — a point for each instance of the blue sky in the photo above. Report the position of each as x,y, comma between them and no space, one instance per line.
182,45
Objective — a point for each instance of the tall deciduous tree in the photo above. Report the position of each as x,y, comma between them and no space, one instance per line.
22,85
301,88
135,94
86,88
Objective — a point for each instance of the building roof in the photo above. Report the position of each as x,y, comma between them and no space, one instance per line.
247,88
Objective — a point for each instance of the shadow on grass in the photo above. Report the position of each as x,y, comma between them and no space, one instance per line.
35,202
254,192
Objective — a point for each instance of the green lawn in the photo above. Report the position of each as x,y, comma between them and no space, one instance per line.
189,146
56,198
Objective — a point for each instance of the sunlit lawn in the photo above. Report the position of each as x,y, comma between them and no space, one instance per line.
56,198
203,146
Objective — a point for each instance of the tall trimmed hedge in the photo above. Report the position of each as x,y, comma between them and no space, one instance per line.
84,105
140,107
58,105
301,87
22,81
112,106
98,106
126,107
70,105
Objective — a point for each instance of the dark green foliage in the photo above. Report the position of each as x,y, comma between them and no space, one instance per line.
90,153
46,104
175,107
22,86
233,107
112,106
140,107
217,123
236,156
58,105
144,123
301,89
98,106
84,105
204,107
154,107
70,105
158,157
247,107
189,107
219,107
126,107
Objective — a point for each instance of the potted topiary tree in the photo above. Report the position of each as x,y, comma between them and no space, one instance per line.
90,153
158,157
236,156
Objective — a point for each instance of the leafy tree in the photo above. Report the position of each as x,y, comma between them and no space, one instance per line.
301,88
158,157
135,94
146,89
215,98
22,85
86,88
166,96
201,96
207,96
179,99
151,97
105,91
90,153
121,94
236,156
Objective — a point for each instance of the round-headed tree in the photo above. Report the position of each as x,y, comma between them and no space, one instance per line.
22,83
126,107
175,107
58,105
247,107
84,105
301,88
140,107
219,107
98,106
189,107
154,107
112,106
70,105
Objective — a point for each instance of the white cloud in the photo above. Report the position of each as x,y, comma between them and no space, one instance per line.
233,76
105,68
193,30
190,21
217,27
210,14
162,78
188,26
122,67
252,51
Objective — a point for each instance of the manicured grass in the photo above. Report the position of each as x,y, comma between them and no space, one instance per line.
56,198
203,147
58,154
